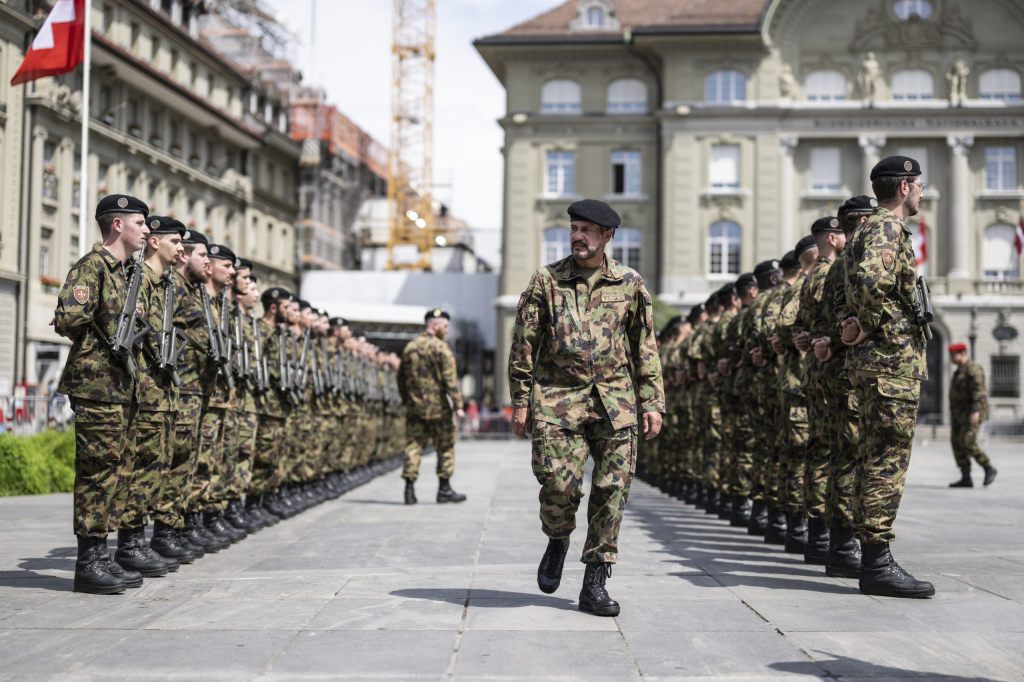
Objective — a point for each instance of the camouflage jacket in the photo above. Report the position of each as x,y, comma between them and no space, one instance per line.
832,310
811,295
244,387
733,351
561,355
188,316
271,402
967,392
157,393
427,378
87,309
791,361
879,286
221,394
718,349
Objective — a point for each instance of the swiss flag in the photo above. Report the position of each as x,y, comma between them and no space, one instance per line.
1018,237
921,243
57,47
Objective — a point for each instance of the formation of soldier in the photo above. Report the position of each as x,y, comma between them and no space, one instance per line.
194,411
793,391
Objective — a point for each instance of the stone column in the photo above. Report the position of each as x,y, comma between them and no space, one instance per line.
787,190
872,147
959,207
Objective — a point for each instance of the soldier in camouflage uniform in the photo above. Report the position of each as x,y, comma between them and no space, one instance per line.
734,367
584,362
886,364
720,383
102,387
429,385
968,406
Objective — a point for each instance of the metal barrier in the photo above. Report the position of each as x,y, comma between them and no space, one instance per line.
27,415
486,426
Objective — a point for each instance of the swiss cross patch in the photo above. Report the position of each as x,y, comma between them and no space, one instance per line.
139,309
81,295
888,259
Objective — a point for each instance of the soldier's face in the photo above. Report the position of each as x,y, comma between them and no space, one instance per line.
168,248
221,271
197,264
913,198
134,230
243,280
838,240
958,358
439,327
587,240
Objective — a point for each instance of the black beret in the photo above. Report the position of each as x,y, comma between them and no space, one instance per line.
896,167
194,237
746,280
275,295
253,278
675,321
304,304
594,211
727,291
435,313
694,313
161,224
337,321
244,264
806,243
789,261
224,253
826,224
766,267
121,203
859,204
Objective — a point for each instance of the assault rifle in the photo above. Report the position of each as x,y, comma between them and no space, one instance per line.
126,331
226,339
170,349
215,350
921,306
283,368
303,367
262,379
243,371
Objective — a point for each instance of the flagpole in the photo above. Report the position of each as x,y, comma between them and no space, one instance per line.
83,173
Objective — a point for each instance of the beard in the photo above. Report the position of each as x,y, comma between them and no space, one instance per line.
910,206
194,272
588,251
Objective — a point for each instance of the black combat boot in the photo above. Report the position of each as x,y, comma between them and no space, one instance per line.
741,507
197,550
700,500
594,597
134,554
195,534
272,504
881,575
255,506
236,516
724,506
132,579
796,533
549,572
775,530
92,575
711,501
990,474
446,494
690,493
816,552
965,479
214,522
410,492
843,554
758,523
165,543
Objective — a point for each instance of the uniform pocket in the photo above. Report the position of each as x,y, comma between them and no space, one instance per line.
899,388
540,461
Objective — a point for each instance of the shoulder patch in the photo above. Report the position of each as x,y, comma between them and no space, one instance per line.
888,258
81,294
139,309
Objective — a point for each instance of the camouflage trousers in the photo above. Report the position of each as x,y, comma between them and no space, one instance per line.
741,445
266,468
711,432
820,415
171,499
245,452
843,486
420,434
964,439
208,464
154,439
763,424
888,417
559,458
793,453
104,458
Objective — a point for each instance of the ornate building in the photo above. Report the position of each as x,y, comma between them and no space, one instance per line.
721,130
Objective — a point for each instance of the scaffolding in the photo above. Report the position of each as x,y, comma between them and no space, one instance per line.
411,210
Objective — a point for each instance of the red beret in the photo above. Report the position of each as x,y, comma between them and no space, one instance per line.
957,347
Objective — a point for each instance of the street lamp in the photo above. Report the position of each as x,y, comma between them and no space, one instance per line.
972,334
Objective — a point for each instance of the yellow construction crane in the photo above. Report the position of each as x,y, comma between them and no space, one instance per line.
411,215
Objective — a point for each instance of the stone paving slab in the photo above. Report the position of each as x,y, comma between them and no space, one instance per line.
365,588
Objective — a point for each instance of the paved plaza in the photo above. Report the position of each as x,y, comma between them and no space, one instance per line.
366,588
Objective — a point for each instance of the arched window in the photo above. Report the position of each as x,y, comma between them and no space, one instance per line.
724,248
723,87
626,245
595,17
556,244
1001,84
912,85
627,96
905,10
825,86
560,97
999,258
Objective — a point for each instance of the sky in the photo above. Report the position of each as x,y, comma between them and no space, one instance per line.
352,62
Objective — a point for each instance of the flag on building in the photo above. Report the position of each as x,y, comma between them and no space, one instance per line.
57,48
921,243
1018,237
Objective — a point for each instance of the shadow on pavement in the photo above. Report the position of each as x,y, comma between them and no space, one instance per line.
390,502
59,558
844,666
484,598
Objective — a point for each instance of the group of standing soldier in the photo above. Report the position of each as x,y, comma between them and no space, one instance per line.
196,412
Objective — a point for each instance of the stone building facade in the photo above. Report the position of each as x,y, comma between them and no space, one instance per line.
721,130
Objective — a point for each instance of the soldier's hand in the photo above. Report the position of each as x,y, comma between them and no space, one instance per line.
758,357
776,344
461,414
975,419
852,334
822,349
519,417
802,341
652,424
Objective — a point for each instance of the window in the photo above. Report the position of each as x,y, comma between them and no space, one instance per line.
725,166
999,259
919,154
154,126
1000,84
154,50
556,244
626,173
135,31
44,261
132,114
825,169
1000,169
1005,376
627,96
723,87
825,86
906,10
911,85
561,174
724,248
595,17
560,97
626,246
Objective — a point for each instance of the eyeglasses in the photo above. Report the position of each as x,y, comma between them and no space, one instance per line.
922,185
